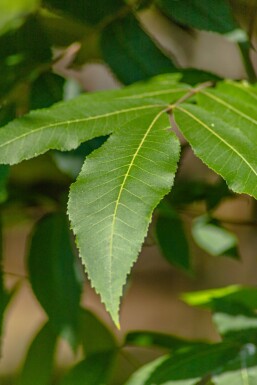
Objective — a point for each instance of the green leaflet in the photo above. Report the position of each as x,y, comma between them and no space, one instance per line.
46,90
210,15
53,274
67,124
190,366
242,376
231,362
88,11
192,190
64,128
186,367
234,308
213,238
140,376
22,56
221,131
246,296
39,361
4,174
168,341
127,50
183,369
242,370
235,319
13,13
111,203
95,336
171,237
94,370
236,326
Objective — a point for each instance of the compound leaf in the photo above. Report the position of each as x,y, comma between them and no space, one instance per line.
112,201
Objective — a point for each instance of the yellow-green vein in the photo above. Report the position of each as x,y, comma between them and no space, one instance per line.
124,182
67,122
217,136
227,105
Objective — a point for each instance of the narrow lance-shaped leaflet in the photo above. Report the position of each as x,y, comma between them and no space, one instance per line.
224,136
65,125
112,201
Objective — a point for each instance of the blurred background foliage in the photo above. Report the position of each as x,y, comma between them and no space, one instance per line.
46,49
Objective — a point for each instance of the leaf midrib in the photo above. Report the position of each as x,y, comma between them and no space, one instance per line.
201,353
122,189
68,122
154,93
243,89
229,106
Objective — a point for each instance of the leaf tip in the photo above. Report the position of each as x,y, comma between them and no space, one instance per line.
114,314
117,324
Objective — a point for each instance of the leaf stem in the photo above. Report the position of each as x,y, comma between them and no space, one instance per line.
244,48
16,275
191,92
133,361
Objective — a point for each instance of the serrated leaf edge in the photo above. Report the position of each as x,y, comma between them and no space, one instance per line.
115,315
